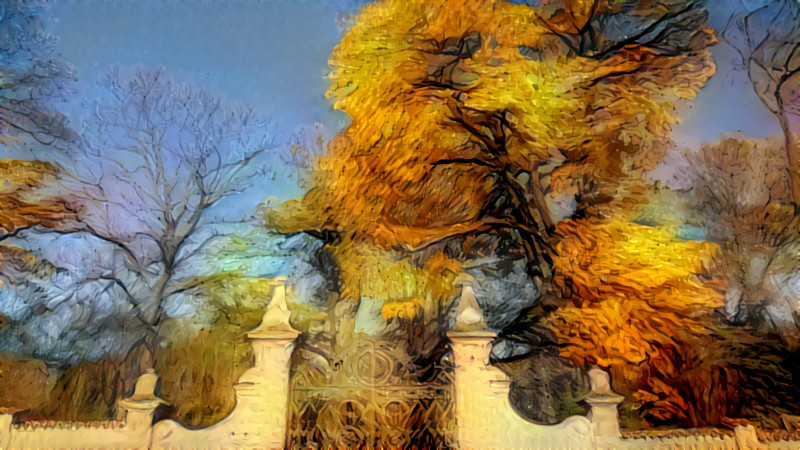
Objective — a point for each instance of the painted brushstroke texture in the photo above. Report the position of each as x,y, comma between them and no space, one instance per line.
545,154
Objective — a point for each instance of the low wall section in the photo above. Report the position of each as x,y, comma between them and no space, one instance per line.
484,416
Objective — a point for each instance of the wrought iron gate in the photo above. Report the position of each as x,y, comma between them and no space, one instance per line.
372,397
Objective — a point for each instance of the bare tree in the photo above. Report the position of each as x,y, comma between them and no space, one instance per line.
30,76
741,197
158,159
768,42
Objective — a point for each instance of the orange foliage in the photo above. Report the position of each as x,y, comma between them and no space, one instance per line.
15,373
465,114
638,307
634,288
19,205
455,130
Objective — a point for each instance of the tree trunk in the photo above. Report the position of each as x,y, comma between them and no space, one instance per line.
793,157
792,144
151,313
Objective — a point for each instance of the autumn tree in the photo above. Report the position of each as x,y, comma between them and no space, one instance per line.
24,202
31,78
680,297
470,122
641,306
768,41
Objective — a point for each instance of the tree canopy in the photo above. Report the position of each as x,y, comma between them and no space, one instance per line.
477,126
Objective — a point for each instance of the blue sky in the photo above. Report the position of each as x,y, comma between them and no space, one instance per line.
272,54
727,103
269,54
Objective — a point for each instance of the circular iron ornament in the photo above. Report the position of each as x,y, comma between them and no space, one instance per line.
397,438
371,397
350,437
396,413
350,412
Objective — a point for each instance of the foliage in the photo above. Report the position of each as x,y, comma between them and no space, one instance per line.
470,120
198,362
21,203
456,130
23,206
640,305
15,372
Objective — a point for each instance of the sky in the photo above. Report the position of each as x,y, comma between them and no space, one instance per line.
727,103
272,54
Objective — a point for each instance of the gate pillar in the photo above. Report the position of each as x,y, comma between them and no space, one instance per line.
480,387
262,393
484,415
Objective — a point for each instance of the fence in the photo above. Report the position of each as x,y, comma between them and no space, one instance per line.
470,406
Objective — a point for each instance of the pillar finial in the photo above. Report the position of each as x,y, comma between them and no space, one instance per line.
275,322
600,382
144,393
469,316
603,402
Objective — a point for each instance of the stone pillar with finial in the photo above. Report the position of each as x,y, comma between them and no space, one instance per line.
604,403
141,405
481,389
484,415
139,409
262,393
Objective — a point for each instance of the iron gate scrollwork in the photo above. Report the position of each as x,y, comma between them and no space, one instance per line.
372,397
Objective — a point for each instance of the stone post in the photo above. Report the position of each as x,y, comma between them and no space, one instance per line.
140,406
747,437
6,417
604,403
480,387
262,393
484,415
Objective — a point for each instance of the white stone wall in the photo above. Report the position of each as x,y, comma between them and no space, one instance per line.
484,416
133,432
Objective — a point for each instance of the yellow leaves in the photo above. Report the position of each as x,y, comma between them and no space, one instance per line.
426,82
446,99
632,270
637,306
407,288
17,175
233,299
402,310
616,255
293,216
